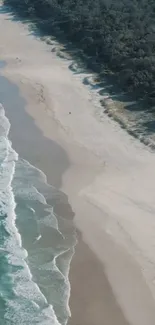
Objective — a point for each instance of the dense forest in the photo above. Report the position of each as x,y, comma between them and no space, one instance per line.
117,34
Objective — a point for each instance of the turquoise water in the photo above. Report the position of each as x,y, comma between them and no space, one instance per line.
36,245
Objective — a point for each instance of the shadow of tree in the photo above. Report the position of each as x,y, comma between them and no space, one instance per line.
149,127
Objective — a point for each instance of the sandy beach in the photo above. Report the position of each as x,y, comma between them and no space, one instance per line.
107,176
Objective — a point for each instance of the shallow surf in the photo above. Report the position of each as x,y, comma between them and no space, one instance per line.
35,254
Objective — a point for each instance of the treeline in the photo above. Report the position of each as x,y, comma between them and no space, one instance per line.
118,34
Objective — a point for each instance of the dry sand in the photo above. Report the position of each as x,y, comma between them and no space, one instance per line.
110,184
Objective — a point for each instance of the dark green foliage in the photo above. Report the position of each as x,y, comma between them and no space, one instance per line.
118,34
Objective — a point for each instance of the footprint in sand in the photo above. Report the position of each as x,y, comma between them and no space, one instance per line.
18,60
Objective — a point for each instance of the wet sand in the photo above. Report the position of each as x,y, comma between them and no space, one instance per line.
95,164
32,144
92,300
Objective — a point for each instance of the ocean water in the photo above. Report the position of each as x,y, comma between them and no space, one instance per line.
36,245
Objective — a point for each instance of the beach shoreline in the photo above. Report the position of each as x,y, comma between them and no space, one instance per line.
102,164
79,300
